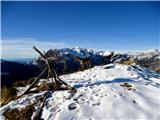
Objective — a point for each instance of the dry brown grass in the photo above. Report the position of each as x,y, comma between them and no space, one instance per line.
127,62
45,86
7,94
23,114
10,93
19,83
23,83
29,81
157,70
127,85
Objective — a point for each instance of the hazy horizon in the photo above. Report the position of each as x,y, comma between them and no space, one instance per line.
117,26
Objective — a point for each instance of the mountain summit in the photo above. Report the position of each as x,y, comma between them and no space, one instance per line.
110,91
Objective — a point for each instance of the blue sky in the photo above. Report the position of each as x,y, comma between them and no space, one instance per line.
125,26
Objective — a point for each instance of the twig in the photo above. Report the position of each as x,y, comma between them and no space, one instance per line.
39,111
34,82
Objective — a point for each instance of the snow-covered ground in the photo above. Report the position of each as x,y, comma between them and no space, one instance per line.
101,96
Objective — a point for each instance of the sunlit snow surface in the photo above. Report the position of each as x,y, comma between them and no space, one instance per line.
100,97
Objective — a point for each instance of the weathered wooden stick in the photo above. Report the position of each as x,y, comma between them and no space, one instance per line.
41,54
67,85
47,62
34,82
39,111
59,81
52,71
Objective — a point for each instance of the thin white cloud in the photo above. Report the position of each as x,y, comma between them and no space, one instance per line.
22,47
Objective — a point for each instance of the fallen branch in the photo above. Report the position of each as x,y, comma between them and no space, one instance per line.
37,116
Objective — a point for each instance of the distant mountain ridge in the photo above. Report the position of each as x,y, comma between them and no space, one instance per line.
149,58
67,64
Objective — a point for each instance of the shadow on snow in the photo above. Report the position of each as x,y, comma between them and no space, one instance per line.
117,80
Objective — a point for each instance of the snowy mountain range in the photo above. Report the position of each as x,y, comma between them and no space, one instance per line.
84,52
149,59
12,68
